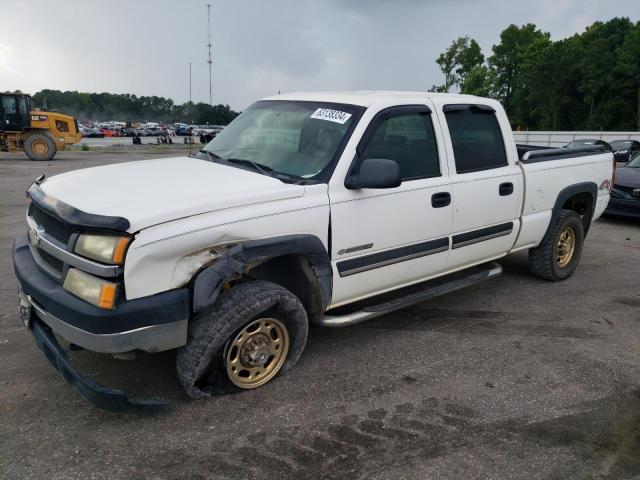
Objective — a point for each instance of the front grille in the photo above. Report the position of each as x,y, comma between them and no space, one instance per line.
623,207
52,226
55,263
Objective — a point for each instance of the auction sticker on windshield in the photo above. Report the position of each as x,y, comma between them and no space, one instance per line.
331,115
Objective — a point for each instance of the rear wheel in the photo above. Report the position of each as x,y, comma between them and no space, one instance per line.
557,256
40,147
254,332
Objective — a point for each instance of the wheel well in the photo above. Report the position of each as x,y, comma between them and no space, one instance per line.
582,204
293,272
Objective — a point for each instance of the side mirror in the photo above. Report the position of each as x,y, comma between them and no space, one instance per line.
375,173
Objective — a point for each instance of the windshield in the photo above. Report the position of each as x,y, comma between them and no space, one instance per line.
635,163
291,137
621,144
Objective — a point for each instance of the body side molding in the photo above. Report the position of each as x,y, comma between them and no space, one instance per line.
481,235
389,257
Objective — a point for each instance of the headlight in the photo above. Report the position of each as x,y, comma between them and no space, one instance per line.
622,152
103,248
91,289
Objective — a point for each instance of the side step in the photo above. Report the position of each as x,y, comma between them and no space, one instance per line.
405,297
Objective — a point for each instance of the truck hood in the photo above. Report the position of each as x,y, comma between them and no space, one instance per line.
150,192
628,177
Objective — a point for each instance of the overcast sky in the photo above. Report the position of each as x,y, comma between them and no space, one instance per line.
259,46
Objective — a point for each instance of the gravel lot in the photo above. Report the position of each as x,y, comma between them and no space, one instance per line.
514,378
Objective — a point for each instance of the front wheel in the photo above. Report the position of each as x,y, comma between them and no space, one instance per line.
254,332
557,256
40,146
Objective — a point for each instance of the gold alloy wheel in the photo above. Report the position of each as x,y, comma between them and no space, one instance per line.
566,247
40,147
257,353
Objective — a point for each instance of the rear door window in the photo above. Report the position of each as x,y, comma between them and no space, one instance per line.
476,138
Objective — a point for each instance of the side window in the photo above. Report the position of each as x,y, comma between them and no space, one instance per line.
476,138
62,126
9,105
22,105
409,139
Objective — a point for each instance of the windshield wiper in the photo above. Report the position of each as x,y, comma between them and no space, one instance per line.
211,155
258,167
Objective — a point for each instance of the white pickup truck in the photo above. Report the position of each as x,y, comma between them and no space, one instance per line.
326,208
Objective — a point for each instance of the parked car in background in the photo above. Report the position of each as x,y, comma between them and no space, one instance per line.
91,132
625,150
182,129
587,142
108,132
625,195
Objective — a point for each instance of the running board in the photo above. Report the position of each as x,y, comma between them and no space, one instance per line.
428,291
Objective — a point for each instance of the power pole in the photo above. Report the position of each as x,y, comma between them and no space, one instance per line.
209,46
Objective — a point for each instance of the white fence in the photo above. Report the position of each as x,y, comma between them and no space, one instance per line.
559,139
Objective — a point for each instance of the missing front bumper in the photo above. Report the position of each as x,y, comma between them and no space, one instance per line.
101,397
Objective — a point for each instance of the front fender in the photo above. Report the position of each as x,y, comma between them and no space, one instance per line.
240,259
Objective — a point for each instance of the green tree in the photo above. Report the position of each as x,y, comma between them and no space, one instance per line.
462,56
481,80
507,58
127,107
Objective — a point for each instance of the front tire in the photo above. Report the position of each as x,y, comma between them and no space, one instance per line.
254,332
40,147
557,256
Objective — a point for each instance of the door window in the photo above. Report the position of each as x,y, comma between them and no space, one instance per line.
476,138
22,106
9,105
409,139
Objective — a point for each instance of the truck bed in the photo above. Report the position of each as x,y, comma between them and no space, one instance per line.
537,153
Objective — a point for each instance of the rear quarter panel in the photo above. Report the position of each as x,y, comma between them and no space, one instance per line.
545,180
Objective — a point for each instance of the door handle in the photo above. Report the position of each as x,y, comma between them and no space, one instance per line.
439,200
505,189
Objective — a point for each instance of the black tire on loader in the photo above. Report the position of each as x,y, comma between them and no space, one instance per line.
40,147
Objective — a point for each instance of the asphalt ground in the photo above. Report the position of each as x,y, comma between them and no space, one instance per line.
514,378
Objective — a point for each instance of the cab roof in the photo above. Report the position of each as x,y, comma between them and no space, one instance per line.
367,98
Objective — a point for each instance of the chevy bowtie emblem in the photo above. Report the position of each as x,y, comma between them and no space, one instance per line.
34,236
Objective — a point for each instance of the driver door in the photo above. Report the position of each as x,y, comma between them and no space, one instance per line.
382,239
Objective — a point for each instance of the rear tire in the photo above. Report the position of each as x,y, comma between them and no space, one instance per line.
557,256
254,332
40,147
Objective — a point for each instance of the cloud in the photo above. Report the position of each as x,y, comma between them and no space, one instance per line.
9,69
144,47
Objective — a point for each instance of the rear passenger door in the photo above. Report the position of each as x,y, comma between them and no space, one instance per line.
486,185
382,239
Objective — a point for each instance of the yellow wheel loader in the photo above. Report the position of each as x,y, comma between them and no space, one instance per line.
39,134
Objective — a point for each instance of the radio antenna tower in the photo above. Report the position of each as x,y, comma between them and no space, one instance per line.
209,46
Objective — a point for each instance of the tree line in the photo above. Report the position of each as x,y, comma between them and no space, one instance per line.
131,108
589,81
